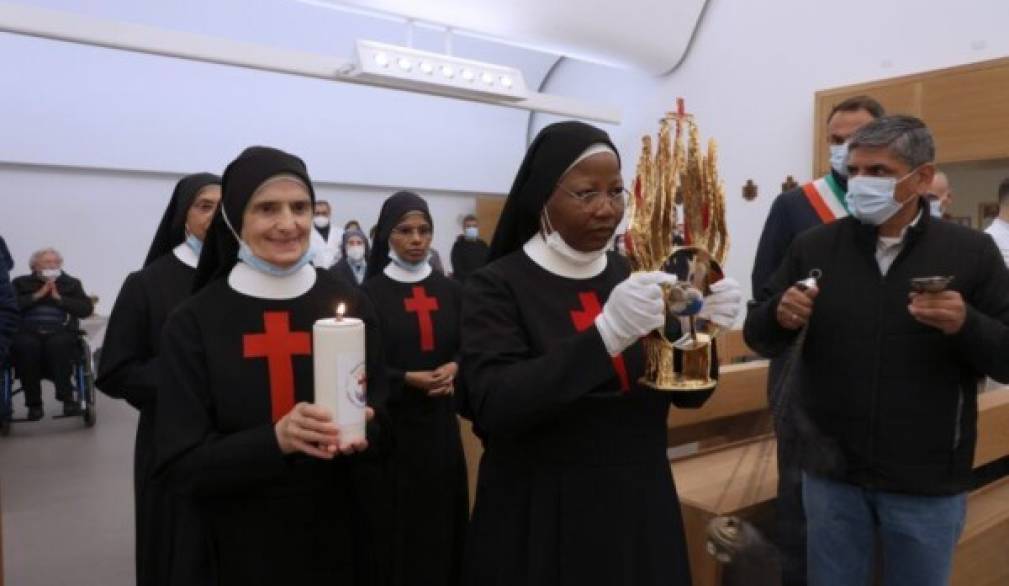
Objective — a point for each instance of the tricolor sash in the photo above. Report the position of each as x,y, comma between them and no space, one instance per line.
827,199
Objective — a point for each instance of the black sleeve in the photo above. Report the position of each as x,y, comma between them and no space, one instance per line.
761,329
775,238
9,315
24,289
984,338
510,389
128,369
191,450
74,300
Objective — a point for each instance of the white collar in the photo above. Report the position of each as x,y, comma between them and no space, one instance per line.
888,241
398,273
999,224
536,249
186,255
249,281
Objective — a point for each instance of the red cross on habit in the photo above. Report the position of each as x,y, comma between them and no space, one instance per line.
423,305
279,345
583,320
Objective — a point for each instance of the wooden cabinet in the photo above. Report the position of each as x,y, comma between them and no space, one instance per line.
966,107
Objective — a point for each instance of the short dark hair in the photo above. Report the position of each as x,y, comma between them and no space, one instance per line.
856,103
907,138
469,218
322,202
1003,192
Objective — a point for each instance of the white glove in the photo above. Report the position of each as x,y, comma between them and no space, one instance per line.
724,304
635,307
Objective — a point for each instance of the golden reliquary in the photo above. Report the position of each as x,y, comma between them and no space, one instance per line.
681,357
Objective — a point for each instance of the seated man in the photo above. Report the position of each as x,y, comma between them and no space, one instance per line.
51,302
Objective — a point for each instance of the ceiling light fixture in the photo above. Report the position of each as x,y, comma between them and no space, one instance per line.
420,78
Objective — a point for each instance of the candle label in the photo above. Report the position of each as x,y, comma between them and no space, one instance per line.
355,381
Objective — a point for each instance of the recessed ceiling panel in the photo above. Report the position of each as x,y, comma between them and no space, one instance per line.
650,35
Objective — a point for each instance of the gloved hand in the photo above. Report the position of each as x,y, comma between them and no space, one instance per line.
635,307
724,304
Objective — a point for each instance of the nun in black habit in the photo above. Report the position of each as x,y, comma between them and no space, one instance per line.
419,311
574,486
237,427
128,367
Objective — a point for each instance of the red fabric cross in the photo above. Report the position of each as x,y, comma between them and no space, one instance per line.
278,344
583,320
423,305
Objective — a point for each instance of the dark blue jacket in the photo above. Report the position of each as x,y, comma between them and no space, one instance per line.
791,214
9,315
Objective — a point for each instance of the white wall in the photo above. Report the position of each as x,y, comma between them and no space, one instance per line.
93,139
103,221
754,67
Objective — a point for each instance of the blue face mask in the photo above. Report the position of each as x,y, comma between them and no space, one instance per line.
412,267
471,232
870,199
246,255
839,158
194,243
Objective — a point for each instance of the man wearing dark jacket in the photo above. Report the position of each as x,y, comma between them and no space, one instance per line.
469,252
51,303
793,212
886,377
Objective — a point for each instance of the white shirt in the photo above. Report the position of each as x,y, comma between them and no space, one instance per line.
186,255
249,281
552,261
327,250
398,273
999,230
889,247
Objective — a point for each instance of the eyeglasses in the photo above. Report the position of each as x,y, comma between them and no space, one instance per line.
422,231
617,195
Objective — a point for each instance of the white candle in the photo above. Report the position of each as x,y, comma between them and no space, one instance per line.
338,357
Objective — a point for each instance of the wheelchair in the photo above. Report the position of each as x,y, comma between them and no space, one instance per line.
82,379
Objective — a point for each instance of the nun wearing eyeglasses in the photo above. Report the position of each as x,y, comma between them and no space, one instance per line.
237,427
574,485
418,312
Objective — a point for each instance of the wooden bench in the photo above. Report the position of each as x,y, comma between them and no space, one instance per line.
705,491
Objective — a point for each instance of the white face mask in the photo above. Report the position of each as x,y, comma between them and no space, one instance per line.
557,243
355,252
871,201
935,208
839,158
321,221
50,274
471,232
410,267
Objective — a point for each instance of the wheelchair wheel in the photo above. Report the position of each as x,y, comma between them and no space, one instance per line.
86,378
6,399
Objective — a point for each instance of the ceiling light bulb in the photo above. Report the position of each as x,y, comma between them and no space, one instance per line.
507,82
382,59
487,78
447,71
427,68
405,64
468,75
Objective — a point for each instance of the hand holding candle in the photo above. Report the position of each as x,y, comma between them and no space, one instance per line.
340,378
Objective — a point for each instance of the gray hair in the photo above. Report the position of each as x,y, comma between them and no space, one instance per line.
34,259
906,137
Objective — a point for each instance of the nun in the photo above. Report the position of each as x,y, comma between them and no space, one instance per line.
419,311
128,366
354,250
237,428
574,485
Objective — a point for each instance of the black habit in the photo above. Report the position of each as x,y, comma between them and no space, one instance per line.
128,370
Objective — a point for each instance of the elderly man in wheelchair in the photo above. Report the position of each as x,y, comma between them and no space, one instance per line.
49,343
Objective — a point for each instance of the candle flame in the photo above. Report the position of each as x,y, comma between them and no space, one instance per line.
340,310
